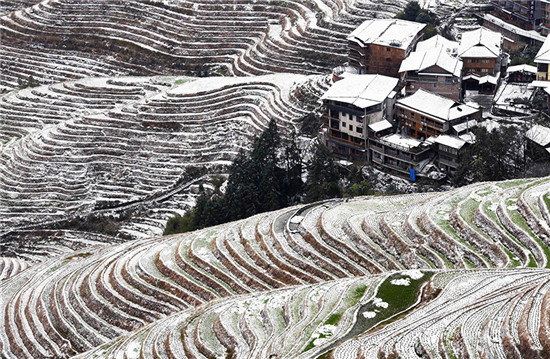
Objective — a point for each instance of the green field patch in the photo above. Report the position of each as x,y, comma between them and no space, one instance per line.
519,221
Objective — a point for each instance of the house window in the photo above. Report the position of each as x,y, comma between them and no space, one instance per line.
359,129
388,59
484,70
377,155
350,127
435,85
343,124
388,49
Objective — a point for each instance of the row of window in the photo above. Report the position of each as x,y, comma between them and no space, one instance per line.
483,61
350,127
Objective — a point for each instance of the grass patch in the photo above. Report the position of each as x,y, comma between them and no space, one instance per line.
445,260
513,262
508,184
546,199
427,261
180,81
532,263
397,297
334,319
519,221
79,255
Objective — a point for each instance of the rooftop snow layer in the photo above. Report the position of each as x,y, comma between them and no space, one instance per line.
539,134
361,90
532,34
522,68
465,126
543,56
480,43
450,141
387,32
422,60
380,126
437,41
403,141
436,106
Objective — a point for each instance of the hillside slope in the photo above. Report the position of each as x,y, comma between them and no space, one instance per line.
81,301
86,145
56,40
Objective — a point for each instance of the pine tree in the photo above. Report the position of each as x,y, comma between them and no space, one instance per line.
322,181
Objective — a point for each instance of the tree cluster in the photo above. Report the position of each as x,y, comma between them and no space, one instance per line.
269,178
495,156
413,12
29,82
525,56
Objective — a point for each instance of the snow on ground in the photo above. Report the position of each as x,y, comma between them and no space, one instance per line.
401,281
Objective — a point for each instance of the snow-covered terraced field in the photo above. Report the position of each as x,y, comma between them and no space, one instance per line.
90,297
78,146
469,318
65,39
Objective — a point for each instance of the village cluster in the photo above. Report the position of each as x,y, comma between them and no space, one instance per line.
405,105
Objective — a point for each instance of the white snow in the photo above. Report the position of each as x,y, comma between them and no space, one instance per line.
369,314
413,273
387,32
379,303
401,281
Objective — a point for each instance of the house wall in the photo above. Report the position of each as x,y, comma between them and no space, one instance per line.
480,66
376,59
418,125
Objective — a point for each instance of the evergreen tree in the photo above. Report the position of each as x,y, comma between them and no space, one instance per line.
265,158
322,179
495,156
241,193
411,10
292,184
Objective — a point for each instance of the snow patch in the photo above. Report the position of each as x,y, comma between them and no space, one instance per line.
403,281
369,314
380,303
413,273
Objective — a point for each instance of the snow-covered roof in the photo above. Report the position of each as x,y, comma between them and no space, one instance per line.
468,137
380,126
421,60
435,106
437,41
522,68
403,141
543,56
510,92
493,79
361,90
539,134
480,43
387,32
465,126
450,141
532,34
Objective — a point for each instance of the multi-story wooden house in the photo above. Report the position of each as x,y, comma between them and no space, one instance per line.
433,70
379,46
449,149
354,103
429,129
425,114
481,53
526,14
